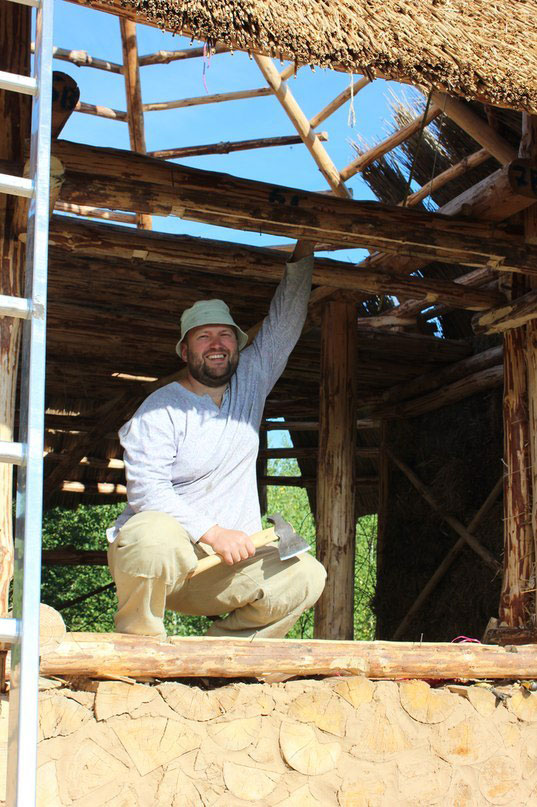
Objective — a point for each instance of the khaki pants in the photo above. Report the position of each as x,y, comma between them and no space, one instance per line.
152,557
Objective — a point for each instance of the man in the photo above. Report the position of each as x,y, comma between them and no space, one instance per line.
190,457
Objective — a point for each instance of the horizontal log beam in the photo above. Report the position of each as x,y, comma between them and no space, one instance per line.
121,180
200,100
167,56
101,111
507,316
109,655
227,147
238,260
71,556
82,58
96,213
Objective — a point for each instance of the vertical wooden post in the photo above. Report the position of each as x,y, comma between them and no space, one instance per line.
515,602
336,525
261,469
133,92
15,111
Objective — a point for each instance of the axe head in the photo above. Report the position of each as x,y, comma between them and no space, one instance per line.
290,544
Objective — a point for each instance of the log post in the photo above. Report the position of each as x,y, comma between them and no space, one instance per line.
336,527
15,111
515,603
133,92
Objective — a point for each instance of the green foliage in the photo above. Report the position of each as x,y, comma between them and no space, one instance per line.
84,528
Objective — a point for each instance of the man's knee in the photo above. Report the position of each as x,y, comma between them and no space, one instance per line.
153,545
313,575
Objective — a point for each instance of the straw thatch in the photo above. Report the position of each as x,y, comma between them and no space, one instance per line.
479,50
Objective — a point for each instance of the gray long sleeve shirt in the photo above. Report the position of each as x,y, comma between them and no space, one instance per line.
189,458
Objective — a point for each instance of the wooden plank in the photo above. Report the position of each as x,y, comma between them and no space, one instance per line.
238,260
109,655
227,147
336,470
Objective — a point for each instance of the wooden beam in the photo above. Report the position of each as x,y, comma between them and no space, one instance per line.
101,111
453,522
462,114
510,315
200,100
109,655
453,172
167,56
339,100
302,125
133,93
444,566
95,213
230,146
81,58
336,471
528,151
516,602
381,149
237,260
127,181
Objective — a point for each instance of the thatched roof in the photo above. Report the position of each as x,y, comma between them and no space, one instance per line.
480,50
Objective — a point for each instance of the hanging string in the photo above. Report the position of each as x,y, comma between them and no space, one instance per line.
420,138
206,63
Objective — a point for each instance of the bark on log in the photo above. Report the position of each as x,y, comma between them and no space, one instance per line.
238,260
516,604
109,655
120,180
336,525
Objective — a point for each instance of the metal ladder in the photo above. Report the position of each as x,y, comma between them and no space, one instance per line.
22,631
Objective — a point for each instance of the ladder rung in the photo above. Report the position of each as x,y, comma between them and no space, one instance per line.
9,630
33,3
16,186
12,453
15,307
24,84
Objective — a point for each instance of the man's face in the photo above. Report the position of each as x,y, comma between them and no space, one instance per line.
211,353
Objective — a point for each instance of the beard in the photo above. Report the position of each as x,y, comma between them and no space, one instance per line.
212,376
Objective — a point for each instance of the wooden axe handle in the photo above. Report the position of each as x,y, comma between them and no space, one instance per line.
259,539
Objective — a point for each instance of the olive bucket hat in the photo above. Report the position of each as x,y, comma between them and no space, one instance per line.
208,312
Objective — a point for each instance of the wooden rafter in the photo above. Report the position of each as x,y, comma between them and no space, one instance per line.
348,93
167,56
380,150
229,147
453,172
472,124
82,58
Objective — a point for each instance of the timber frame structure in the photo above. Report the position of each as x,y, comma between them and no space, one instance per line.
360,365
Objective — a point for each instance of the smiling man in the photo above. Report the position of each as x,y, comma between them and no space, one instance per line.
190,459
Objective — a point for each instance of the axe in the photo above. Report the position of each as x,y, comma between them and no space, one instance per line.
290,544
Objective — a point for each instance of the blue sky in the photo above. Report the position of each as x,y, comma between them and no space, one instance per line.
81,28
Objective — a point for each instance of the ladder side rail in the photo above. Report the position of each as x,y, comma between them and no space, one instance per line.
22,751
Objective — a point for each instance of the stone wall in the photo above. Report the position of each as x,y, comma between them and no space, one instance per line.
348,742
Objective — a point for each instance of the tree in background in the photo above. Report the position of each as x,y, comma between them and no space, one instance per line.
84,528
